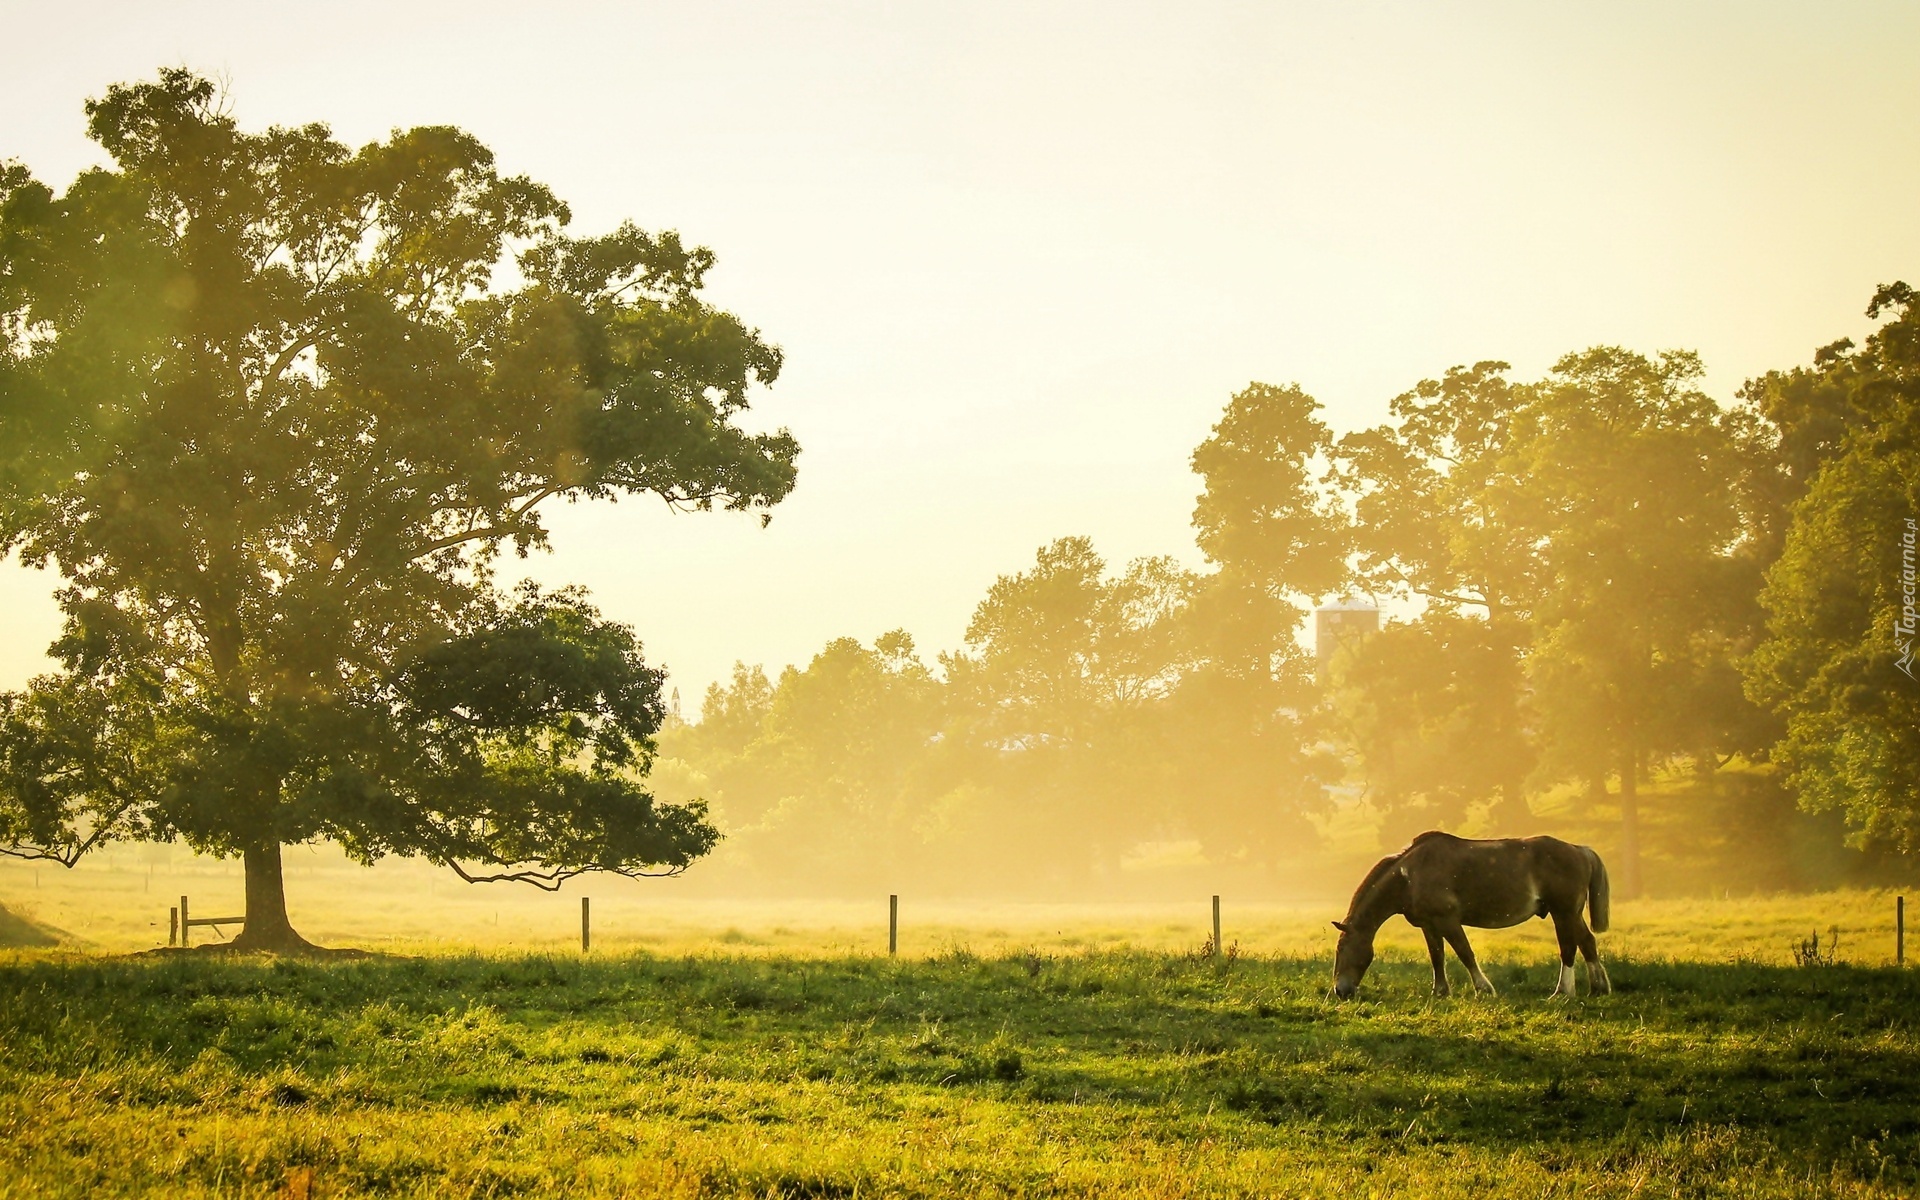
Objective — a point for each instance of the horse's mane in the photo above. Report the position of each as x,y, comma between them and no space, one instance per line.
1380,870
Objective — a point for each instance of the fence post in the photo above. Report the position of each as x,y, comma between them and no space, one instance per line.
893,925
173,927
1216,924
1900,931
586,929
184,935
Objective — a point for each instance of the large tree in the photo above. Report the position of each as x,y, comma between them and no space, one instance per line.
1635,486
1434,709
273,407
1605,527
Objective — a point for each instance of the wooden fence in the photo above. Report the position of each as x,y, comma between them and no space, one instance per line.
179,925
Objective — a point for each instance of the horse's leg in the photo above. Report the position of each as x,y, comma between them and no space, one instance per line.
1597,982
1567,929
1437,951
1457,938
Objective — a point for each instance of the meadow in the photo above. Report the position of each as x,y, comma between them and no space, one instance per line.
1054,1057
116,902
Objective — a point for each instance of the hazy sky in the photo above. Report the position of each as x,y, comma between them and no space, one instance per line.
1019,256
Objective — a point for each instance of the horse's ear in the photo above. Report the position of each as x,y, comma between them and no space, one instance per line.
1340,925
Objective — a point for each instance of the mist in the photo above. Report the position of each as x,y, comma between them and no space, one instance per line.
1563,606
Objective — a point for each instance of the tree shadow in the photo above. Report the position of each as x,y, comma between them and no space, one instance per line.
1809,1061
17,932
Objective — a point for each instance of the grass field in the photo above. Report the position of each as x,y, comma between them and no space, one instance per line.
751,1048
757,1070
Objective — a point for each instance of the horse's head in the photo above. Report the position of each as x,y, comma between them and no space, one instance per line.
1351,958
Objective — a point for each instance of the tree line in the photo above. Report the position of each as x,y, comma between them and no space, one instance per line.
1597,581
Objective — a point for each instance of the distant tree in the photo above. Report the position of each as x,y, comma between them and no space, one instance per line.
1838,661
273,409
1604,528
1434,710
846,745
1056,708
1435,496
1278,534
824,777
1633,492
732,719
1437,710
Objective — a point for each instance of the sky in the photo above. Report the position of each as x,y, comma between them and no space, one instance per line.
1019,256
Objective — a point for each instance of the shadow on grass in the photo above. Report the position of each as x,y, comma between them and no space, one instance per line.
18,932
1815,1061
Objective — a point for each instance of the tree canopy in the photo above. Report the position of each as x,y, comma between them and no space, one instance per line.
1594,526
273,407
1842,602
1572,570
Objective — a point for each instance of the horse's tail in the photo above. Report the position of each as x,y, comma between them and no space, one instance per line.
1597,896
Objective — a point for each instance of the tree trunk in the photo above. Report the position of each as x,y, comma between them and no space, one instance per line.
267,927
1629,886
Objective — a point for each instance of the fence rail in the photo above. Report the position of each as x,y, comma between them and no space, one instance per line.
179,924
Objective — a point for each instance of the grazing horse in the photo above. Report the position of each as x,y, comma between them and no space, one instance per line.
1441,883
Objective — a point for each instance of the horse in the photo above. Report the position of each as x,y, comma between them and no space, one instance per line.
1440,883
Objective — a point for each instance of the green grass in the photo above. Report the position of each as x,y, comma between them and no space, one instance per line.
1108,1073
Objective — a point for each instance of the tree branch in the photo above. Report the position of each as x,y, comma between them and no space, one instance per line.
516,518
42,854
72,854
551,881
285,359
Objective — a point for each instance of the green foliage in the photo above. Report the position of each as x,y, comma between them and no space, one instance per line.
1636,477
831,781
1059,706
1434,710
1251,777
1265,515
1040,753
1021,1075
1434,495
1841,615
1587,548
265,406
